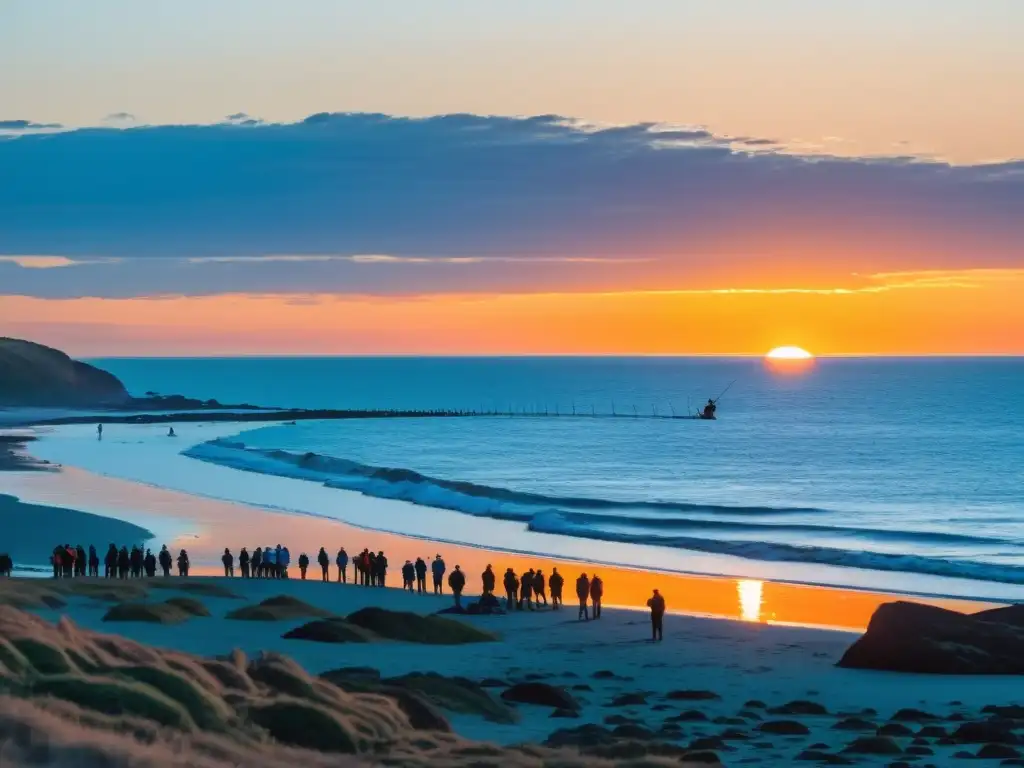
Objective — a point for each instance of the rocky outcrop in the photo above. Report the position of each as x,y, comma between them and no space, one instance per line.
34,375
909,637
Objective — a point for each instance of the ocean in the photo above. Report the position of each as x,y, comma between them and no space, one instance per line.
890,465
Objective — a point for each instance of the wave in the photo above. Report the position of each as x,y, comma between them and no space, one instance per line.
655,523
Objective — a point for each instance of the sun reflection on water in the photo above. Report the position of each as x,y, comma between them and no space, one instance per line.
750,594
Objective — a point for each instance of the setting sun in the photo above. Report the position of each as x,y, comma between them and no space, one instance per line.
789,353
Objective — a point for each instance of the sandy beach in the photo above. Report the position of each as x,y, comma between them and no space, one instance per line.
737,639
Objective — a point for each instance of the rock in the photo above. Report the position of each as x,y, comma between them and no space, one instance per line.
493,682
895,729
633,731
984,733
755,704
584,735
913,716
604,674
899,764
932,732
34,375
330,631
620,720
749,714
278,608
874,745
691,696
817,756
784,728
799,709
565,713
708,743
854,724
541,694
1014,711
701,756
413,628
730,721
997,752
582,687
732,734
661,708
910,637
689,716
1014,761
919,751
629,700
1010,614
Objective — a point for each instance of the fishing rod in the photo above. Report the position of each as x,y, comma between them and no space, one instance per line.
715,401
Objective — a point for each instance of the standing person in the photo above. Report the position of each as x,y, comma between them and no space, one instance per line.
540,588
94,562
243,563
303,565
526,590
149,563
408,574
229,563
342,562
269,562
511,584
57,560
110,562
165,560
371,569
421,575
135,558
487,578
123,563
657,606
596,593
437,569
99,431
381,569
363,566
278,561
68,561
556,582
81,562
325,564
457,581
284,561
257,563
583,593
183,563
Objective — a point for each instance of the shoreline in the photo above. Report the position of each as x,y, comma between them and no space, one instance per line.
204,526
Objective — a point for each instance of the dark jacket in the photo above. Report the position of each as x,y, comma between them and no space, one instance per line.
165,558
408,572
657,605
582,587
228,559
303,561
457,580
538,582
421,569
437,568
556,582
487,577
526,585
511,582
342,559
323,559
596,588
243,557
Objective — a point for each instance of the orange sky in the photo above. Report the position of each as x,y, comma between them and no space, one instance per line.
955,312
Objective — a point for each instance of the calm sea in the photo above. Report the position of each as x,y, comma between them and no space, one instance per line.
893,465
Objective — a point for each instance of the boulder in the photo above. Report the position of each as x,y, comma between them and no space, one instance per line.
874,745
784,728
799,708
910,637
691,696
541,694
331,630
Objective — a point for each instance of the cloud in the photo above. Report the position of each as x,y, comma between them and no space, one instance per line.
370,203
27,125
241,118
120,119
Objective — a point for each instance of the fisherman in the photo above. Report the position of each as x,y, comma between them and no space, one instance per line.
709,410
170,432
657,606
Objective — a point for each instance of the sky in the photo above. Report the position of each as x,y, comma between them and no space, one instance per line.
456,177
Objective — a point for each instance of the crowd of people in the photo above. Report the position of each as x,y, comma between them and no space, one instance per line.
523,592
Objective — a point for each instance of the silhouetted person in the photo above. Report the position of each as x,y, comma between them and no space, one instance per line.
6,564
243,563
269,562
488,580
381,569
94,562
57,561
165,560
135,561
421,575
511,584
303,565
342,562
457,582
183,563
556,582
110,563
81,562
363,568
279,563
170,432
583,593
123,563
657,606
539,588
229,563
257,563
283,561
596,593
437,569
149,564
68,561
709,410
325,564
371,569
99,431
408,575
526,590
